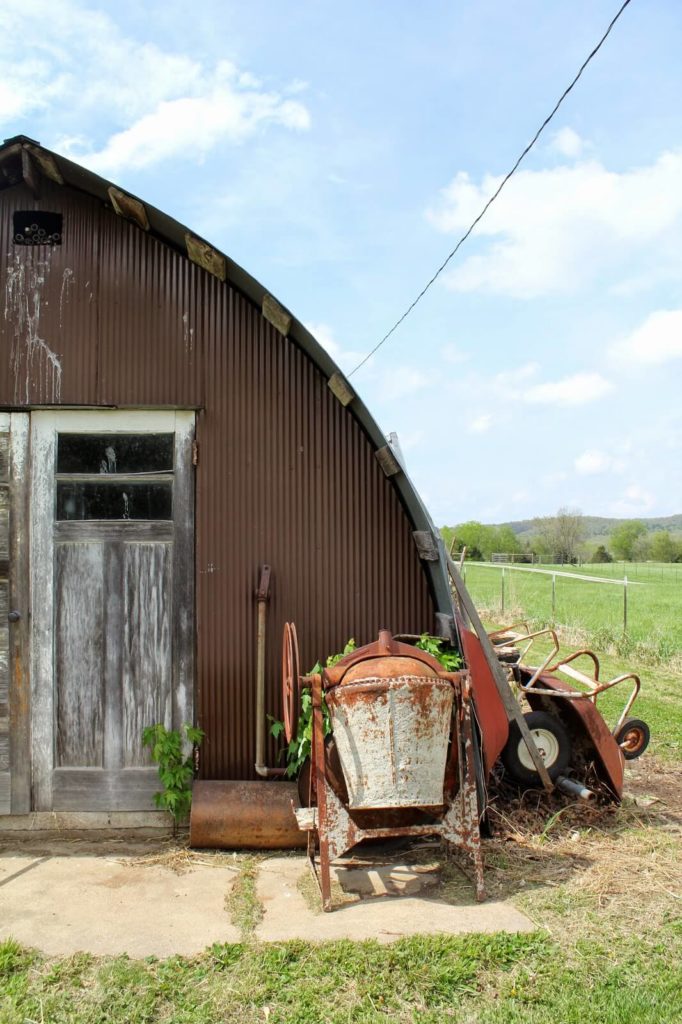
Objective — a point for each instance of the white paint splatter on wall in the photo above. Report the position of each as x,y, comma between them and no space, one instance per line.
35,365
188,333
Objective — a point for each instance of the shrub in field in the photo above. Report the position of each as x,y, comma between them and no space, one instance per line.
664,548
601,555
624,538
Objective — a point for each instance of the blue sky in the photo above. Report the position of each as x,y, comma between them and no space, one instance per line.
338,151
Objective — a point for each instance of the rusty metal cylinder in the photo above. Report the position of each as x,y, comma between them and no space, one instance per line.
392,737
244,816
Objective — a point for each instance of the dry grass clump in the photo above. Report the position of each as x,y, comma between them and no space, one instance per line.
176,855
578,868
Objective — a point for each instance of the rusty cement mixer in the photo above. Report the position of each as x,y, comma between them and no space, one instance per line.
399,760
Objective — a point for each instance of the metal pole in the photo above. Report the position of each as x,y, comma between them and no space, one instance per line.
512,706
625,604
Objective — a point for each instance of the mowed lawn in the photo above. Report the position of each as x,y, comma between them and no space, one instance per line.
603,886
654,601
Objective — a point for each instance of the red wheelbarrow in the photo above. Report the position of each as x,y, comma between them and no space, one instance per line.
566,724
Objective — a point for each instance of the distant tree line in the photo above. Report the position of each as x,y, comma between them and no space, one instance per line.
561,539
632,542
481,541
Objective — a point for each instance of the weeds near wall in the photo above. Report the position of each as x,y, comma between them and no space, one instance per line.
176,770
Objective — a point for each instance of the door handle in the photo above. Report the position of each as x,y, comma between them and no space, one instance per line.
14,616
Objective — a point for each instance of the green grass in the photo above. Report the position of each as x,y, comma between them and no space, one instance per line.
654,620
496,978
242,903
602,885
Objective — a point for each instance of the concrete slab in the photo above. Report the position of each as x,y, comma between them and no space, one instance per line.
414,908
112,905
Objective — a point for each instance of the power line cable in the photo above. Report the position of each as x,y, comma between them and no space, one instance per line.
495,194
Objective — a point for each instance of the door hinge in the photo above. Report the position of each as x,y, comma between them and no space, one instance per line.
195,453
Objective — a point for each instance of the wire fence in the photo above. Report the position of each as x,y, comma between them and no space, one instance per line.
647,608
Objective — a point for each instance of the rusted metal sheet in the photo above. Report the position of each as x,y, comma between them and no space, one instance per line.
245,815
287,476
490,711
379,803
109,317
392,735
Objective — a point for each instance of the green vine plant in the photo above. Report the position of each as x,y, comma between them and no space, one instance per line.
176,770
447,655
298,750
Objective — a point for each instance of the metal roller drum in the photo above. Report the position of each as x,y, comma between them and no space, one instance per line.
244,815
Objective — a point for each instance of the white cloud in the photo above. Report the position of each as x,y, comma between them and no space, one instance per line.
567,142
634,501
388,383
226,112
344,357
593,462
556,230
481,424
557,477
399,382
453,354
517,376
658,340
577,389
155,104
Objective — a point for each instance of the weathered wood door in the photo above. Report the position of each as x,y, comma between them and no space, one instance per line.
112,595
15,793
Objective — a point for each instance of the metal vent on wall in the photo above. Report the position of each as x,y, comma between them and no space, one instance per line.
37,227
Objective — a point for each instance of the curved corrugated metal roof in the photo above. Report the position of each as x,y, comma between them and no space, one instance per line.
24,159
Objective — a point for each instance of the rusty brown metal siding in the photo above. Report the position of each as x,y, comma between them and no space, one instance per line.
117,307
286,475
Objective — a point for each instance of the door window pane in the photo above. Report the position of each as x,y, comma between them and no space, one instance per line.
111,500
115,453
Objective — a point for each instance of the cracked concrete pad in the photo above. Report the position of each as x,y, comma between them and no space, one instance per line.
287,914
112,905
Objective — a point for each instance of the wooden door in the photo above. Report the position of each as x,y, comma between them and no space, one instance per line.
112,580
15,795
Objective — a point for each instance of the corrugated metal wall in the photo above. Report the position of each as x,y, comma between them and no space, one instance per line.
286,475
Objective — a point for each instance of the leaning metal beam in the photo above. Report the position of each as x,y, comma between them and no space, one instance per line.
511,705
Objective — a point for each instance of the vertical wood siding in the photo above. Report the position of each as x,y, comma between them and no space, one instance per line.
286,475
80,630
4,627
147,670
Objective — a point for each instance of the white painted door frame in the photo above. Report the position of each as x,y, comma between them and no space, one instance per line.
45,427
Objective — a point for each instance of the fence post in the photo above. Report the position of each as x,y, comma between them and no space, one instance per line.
625,604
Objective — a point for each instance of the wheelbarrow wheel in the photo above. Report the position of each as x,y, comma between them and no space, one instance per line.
552,741
633,738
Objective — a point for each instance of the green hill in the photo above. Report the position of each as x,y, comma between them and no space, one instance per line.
599,527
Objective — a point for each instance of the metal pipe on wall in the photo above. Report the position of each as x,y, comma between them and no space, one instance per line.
262,596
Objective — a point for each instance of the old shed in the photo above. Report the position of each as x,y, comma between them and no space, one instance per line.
166,428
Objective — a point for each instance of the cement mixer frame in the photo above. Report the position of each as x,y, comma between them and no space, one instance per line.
337,819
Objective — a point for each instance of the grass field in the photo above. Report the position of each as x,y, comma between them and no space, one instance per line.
602,884
654,603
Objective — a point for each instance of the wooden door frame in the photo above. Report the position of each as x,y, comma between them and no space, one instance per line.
16,798
45,425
